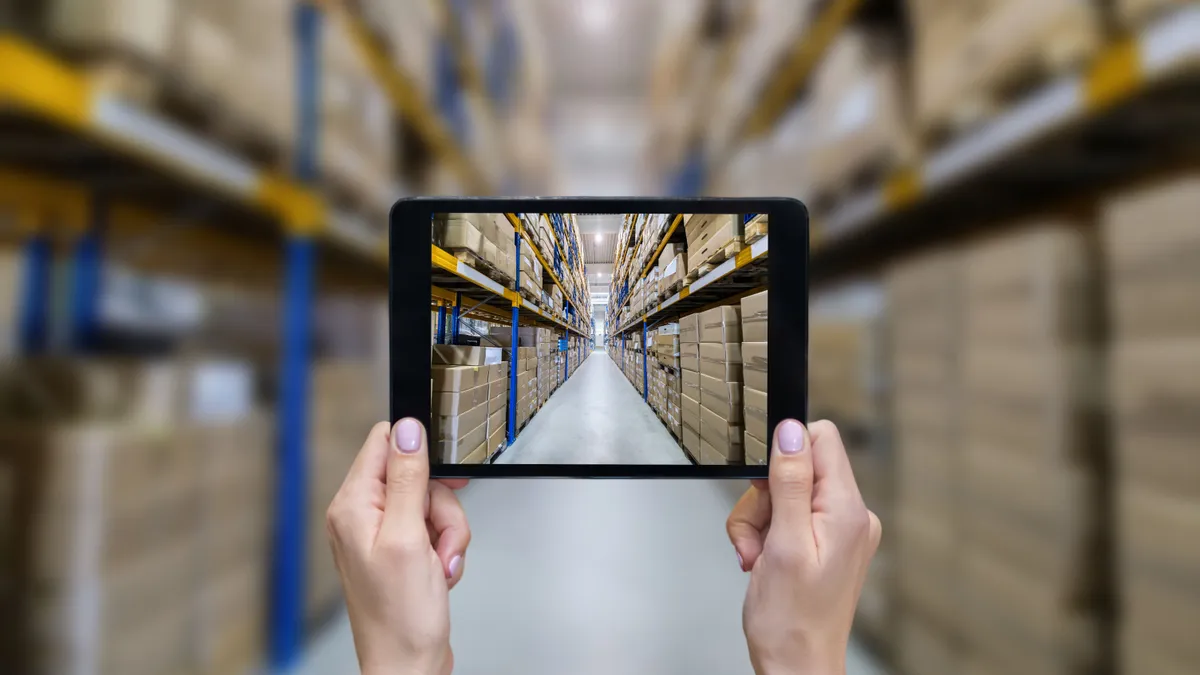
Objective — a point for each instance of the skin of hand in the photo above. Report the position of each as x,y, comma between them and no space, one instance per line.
807,539
399,541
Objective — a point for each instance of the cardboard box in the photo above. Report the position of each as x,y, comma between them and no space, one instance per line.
497,396
723,436
723,398
455,402
754,317
456,426
689,329
708,234
754,365
721,325
690,411
756,451
690,380
456,234
722,361
498,419
710,455
691,441
496,440
457,378
756,414
498,372
477,456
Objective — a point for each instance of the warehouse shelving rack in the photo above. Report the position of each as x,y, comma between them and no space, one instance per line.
109,157
737,277
456,283
1133,109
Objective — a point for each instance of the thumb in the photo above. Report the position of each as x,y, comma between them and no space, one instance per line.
407,479
791,480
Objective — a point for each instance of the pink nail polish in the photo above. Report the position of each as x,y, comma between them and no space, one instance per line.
791,437
407,436
455,563
741,563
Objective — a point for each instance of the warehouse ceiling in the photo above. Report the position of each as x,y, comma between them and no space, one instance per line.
600,56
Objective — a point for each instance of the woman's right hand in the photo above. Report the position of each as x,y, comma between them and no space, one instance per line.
807,540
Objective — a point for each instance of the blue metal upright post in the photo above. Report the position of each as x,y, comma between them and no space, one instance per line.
645,365
441,331
455,318
514,351
87,273
35,299
289,562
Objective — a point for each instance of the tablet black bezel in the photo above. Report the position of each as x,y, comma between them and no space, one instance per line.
409,280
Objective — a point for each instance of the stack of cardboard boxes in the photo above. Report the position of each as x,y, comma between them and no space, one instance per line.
489,236
672,268
924,306
1031,545
469,390
1153,257
689,382
754,375
136,514
721,386
345,406
531,274
236,504
497,425
707,235
527,384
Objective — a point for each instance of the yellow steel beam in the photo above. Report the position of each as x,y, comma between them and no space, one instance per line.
663,244
410,102
799,66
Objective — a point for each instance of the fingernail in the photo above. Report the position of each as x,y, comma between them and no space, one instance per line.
741,563
408,436
455,563
791,437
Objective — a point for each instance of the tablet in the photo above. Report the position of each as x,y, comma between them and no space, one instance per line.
599,338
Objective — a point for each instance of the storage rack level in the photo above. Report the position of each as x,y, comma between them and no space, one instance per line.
460,291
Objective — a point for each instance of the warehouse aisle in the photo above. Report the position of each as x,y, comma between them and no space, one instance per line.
596,417
593,577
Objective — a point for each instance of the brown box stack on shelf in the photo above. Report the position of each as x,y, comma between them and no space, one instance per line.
721,386
711,237
240,57
345,404
672,268
840,371
531,273
358,144
968,55
924,314
494,243
858,112
237,473
99,536
1033,552
466,384
689,379
754,372
1153,266
526,384
497,425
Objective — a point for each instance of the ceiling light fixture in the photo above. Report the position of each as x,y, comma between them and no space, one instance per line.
597,15
599,238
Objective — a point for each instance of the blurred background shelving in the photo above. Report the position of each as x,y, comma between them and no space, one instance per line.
193,227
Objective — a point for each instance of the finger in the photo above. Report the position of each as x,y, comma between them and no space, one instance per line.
876,532
370,466
454,483
761,483
452,533
791,481
747,526
407,482
835,487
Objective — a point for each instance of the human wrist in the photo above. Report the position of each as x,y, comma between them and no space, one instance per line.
811,662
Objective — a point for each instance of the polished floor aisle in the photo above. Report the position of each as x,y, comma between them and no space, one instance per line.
592,577
596,417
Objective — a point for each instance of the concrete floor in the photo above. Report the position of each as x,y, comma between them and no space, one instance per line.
588,577
595,417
